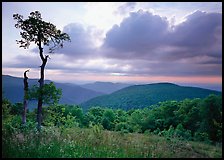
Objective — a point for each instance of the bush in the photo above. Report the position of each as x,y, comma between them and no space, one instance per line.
181,133
201,136
156,131
121,126
148,132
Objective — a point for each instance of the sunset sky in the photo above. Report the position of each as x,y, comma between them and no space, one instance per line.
143,42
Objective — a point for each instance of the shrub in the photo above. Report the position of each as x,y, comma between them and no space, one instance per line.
201,136
121,126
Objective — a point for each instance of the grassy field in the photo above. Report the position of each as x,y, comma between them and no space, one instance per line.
89,143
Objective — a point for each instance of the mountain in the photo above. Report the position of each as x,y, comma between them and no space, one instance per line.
71,93
135,96
105,87
74,94
140,96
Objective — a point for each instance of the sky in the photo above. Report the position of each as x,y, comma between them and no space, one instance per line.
128,42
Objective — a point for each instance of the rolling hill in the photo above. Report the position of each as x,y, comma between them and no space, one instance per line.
135,96
105,87
71,93
140,96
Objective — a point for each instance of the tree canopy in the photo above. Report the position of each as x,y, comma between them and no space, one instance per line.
36,30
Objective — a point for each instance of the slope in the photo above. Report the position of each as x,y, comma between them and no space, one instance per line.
140,96
105,87
71,93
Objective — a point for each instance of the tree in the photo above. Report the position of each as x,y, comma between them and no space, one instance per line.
25,97
211,115
95,115
75,111
50,94
40,32
6,108
108,119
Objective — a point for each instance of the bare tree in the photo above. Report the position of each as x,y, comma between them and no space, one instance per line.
41,33
25,97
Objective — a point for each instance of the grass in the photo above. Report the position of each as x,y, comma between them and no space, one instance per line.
89,143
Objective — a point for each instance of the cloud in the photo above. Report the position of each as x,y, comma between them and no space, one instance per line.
193,47
126,8
136,35
167,68
143,44
144,35
200,30
24,61
83,42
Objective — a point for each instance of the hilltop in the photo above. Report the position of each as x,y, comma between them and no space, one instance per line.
140,96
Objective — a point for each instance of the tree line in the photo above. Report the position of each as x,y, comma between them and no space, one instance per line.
190,119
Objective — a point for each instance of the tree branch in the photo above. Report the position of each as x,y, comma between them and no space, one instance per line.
25,76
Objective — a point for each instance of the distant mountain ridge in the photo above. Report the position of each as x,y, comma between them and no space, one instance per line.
132,96
140,96
71,93
105,87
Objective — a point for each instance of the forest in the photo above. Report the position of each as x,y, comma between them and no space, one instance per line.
190,120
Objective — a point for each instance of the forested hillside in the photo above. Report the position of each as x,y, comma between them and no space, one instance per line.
140,96
188,128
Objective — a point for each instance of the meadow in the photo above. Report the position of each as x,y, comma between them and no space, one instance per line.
54,142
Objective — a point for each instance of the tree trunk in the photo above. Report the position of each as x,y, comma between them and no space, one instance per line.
39,109
41,82
24,112
25,98
40,99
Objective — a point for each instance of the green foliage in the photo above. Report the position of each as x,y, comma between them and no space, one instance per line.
122,126
50,94
140,96
151,122
211,112
11,116
9,109
17,108
201,136
179,119
120,116
35,29
188,114
97,130
6,108
108,119
170,120
77,112
136,120
56,116
95,115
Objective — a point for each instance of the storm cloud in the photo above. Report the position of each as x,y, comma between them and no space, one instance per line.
145,44
144,35
137,35
200,34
